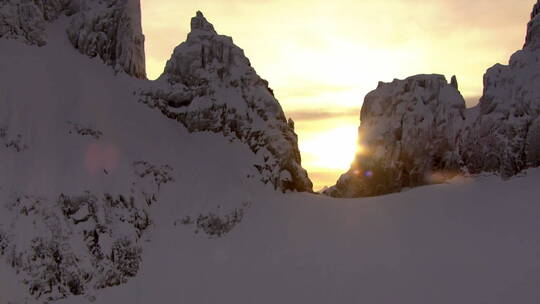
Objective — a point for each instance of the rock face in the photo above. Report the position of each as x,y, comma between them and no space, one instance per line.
110,29
209,85
27,20
503,135
407,142
407,137
113,32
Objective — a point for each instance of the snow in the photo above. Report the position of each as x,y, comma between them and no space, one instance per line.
106,200
469,241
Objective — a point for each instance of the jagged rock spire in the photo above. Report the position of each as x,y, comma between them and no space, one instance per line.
210,85
199,23
532,42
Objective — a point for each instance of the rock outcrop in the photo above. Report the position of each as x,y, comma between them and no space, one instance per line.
407,137
504,134
409,145
27,20
210,85
112,31
75,245
108,29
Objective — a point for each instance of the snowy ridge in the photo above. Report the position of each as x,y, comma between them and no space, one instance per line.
80,180
500,135
109,29
209,85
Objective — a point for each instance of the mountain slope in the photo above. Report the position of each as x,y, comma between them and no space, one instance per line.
84,162
470,241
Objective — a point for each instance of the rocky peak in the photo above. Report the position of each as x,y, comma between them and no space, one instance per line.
504,134
532,41
454,82
419,126
407,137
209,85
199,23
206,55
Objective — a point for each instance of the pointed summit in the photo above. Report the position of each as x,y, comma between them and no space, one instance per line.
199,23
210,85
532,42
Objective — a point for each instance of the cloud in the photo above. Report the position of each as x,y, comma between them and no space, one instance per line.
309,90
309,115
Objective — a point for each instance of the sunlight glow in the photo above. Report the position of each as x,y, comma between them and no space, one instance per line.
332,149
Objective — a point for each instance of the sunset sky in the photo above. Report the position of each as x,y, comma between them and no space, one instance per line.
322,57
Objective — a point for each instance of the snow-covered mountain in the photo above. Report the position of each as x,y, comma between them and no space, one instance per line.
504,134
84,158
116,189
416,133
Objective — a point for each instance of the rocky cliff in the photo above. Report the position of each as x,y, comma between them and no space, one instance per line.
108,29
407,137
409,145
210,85
503,135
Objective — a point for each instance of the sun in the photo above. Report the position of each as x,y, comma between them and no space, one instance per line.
331,150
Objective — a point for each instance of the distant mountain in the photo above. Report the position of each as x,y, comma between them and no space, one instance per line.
416,131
